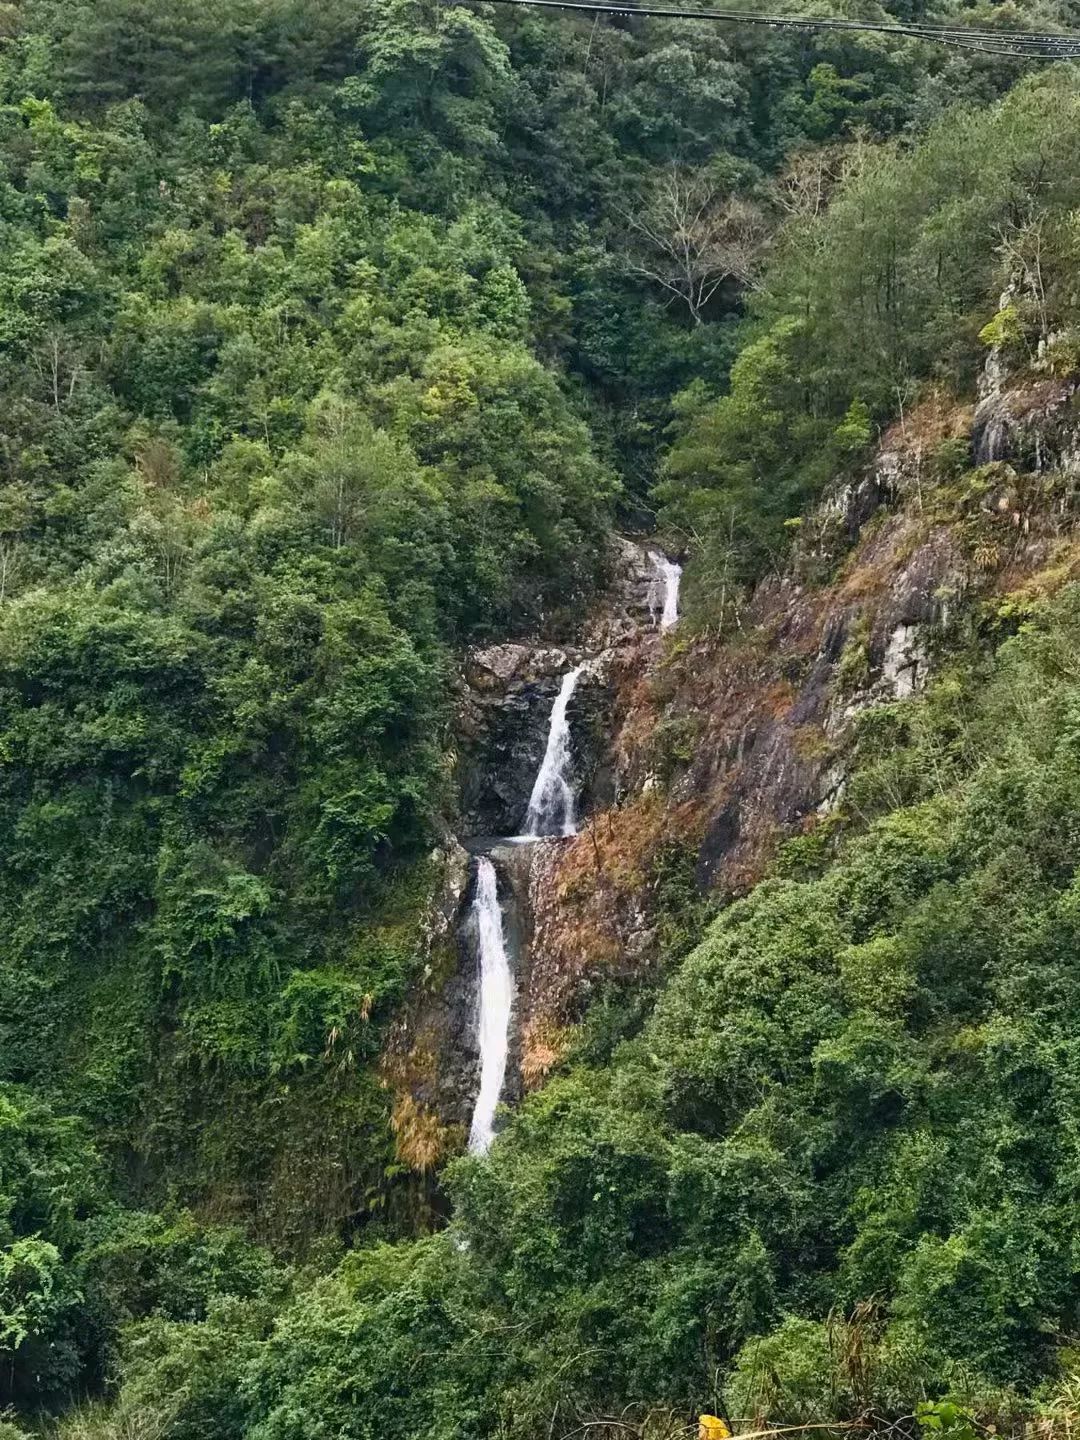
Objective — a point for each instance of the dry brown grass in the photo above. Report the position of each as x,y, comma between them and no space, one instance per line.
1026,587
870,569
543,1045
936,418
420,1138
611,853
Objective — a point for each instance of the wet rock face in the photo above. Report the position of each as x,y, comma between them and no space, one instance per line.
509,691
633,605
1036,428
512,865
504,730
428,1077
452,1017
453,865
433,1055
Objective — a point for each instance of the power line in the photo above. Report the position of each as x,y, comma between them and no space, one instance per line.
946,34
1022,43
994,41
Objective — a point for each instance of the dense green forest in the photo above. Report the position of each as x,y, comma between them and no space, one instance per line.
336,335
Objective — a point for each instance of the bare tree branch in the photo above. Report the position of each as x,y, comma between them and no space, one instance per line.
690,239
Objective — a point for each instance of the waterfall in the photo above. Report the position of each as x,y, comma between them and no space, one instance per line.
551,805
664,591
552,813
496,1000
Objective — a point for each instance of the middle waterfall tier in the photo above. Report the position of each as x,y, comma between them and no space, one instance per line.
553,804
495,1005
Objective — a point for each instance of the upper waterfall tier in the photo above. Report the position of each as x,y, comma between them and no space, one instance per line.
664,591
553,805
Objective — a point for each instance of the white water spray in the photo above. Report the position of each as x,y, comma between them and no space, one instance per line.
496,1001
664,591
551,806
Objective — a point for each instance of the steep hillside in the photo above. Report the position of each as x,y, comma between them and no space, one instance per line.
705,760
363,763
829,1174
819,1166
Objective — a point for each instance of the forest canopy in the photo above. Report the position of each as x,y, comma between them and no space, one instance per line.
336,337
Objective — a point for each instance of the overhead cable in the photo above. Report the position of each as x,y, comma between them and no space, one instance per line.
1022,43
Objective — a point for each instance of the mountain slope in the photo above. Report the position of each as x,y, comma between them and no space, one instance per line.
333,356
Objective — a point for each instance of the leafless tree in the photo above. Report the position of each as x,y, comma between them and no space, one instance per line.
1022,250
690,238
10,552
803,190
59,371
16,514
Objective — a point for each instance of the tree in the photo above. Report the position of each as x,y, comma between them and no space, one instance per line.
690,238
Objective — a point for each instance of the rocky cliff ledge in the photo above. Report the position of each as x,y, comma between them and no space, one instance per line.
734,742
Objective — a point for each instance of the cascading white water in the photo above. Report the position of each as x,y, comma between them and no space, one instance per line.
552,808
496,1002
664,591
552,812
